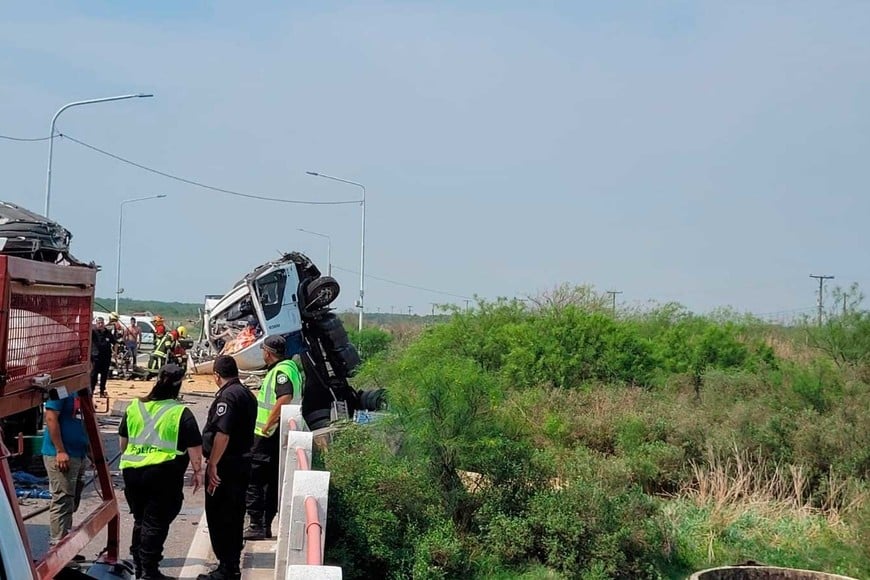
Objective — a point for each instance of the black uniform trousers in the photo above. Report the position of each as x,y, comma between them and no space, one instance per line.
225,511
262,496
154,494
100,366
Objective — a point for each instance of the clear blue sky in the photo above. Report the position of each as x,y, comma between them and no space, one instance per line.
711,153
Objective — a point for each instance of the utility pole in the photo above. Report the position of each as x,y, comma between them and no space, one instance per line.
844,305
434,304
821,280
409,310
613,294
467,302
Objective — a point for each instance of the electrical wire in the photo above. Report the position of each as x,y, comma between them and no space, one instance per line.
199,184
25,139
406,285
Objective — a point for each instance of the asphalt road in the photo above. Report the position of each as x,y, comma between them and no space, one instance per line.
180,534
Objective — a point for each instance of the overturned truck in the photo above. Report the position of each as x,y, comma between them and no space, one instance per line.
287,297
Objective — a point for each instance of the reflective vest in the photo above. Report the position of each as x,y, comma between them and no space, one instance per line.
163,346
266,398
152,430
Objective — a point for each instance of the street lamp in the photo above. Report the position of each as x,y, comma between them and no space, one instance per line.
362,245
120,230
51,135
328,248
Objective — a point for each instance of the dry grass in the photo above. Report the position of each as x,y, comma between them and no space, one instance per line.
790,349
745,480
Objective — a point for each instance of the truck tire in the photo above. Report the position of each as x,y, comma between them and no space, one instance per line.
320,293
329,329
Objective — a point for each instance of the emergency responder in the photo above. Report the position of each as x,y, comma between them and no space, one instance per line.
159,327
163,345
179,353
282,384
227,439
116,326
160,437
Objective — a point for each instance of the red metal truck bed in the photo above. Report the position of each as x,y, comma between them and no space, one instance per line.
45,329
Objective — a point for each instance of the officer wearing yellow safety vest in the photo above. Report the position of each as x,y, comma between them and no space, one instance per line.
282,384
160,437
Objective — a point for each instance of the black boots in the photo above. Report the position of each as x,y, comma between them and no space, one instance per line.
256,529
154,574
221,573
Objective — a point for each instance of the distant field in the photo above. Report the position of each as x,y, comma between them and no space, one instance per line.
175,313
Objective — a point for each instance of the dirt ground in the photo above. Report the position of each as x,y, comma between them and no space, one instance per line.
128,390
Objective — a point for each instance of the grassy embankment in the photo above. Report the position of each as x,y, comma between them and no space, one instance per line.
556,441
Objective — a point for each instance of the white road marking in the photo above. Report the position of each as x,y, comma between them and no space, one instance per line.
199,554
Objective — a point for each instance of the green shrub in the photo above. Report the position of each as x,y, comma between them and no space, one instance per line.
370,342
380,507
584,530
567,347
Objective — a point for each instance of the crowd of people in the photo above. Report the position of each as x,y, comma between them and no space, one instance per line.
234,457
119,342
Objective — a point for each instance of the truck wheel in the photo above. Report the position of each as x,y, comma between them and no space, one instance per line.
320,293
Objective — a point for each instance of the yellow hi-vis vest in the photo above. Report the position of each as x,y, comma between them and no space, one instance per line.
152,430
266,398
163,346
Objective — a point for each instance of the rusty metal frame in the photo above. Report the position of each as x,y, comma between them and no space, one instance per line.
36,278
9,487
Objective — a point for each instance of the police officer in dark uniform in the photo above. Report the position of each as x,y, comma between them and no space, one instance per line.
226,441
281,386
160,437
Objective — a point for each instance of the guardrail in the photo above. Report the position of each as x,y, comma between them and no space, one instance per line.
302,505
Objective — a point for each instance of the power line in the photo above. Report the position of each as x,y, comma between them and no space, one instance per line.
197,183
404,284
25,139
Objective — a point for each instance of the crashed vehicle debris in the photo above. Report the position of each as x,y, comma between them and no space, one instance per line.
287,297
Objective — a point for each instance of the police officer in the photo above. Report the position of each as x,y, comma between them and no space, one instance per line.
282,384
160,437
227,438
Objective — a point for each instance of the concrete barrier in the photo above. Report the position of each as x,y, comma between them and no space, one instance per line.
763,573
306,485
313,573
288,413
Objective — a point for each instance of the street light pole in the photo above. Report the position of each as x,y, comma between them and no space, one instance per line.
362,245
328,248
51,135
120,231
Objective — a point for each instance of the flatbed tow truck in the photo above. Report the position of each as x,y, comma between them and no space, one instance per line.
45,335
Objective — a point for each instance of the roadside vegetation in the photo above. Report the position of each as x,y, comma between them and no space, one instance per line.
552,439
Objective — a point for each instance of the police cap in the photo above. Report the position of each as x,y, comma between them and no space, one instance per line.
171,373
275,344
